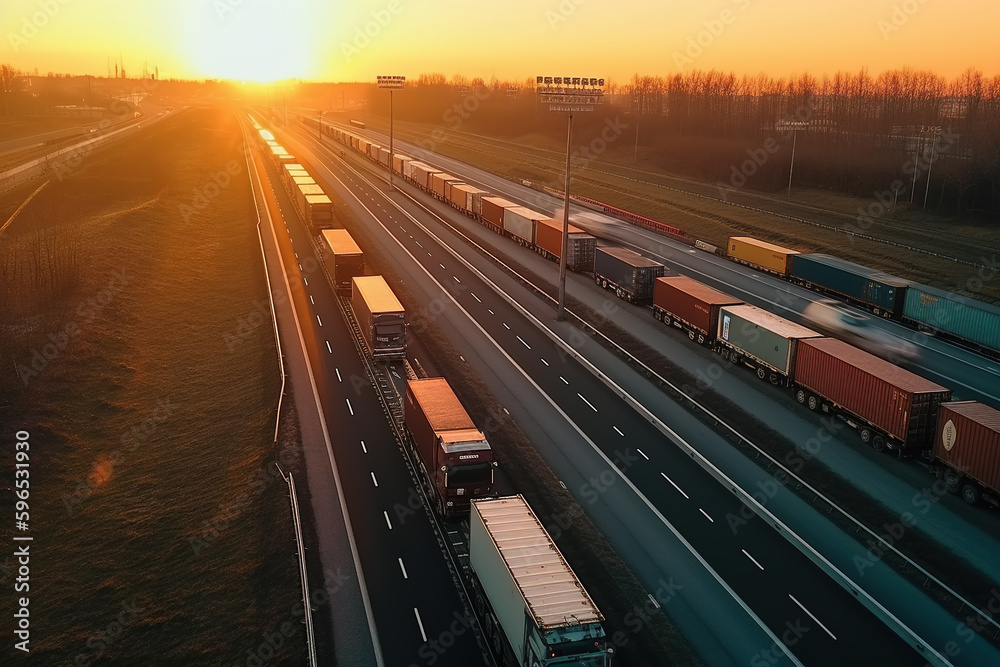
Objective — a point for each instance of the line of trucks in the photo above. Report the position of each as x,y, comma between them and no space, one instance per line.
534,609
890,407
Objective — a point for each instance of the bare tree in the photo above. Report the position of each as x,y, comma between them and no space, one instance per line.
10,82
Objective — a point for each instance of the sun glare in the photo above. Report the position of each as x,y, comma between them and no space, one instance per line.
259,43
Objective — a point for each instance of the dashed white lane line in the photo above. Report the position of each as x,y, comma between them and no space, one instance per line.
619,432
679,489
387,522
507,326
441,265
491,312
706,515
374,481
523,343
586,401
402,567
305,280
423,635
300,267
311,300
319,320
833,636
565,381
475,297
349,406
642,453
543,361
328,348
339,379
418,243
363,448
457,280
752,559
296,255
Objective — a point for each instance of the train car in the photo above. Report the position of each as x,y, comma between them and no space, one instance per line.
580,246
690,306
492,212
879,292
953,316
760,255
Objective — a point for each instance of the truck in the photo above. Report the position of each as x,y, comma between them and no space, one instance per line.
945,313
380,317
535,611
455,457
967,450
690,306
760,254
493,212
343,258
580,246
889,406
628,274
878,292
763,341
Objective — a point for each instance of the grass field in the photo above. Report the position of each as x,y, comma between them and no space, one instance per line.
148,432
648,189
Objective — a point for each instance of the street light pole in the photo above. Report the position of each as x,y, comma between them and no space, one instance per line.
391,83
791,167
391,150
561,309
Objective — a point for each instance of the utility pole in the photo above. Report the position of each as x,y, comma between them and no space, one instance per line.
391,83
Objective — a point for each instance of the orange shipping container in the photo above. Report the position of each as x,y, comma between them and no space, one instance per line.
760,254
968,440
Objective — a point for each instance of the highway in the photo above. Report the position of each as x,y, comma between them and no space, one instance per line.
412,594
774,578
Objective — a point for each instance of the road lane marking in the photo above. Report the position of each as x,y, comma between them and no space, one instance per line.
491,312
296,255
300,267
642,453
387,522
507,326
543,361
812,617
418,243
586,401
441,265
457,280
375,481
402,567
363,448
423,635
305,280
475,297
319,320
565,381
619,432
311,300
706,515
754,560
339,379
349,406
679,490
523,343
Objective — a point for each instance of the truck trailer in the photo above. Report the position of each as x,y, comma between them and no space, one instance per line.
380,316
456,458
690,306
761,340
760,254
343,258
580,246
967,447
890,406
534,609
879,292
628,274
493,210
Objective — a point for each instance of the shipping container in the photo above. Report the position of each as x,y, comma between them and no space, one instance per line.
380,317
580,245
440,181
967,443
373,151
423,173
319,211
463,196
343,258
288,171
954,316
400,164
536,612
303,180
761,254
630,275
300,196
493,209
449,187
383,157
690,306
761,340
896,408
455,455
879,292
520,222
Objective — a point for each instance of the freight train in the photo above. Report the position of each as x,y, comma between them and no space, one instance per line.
967,321
891,408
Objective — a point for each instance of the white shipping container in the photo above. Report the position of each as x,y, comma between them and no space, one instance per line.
521,221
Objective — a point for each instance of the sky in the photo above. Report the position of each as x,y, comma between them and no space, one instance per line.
355,40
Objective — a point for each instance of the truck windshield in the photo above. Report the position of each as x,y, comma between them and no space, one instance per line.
470,474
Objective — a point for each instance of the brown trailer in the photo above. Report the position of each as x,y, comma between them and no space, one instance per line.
690,306
968,446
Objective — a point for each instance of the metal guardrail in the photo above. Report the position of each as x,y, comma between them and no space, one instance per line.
303,574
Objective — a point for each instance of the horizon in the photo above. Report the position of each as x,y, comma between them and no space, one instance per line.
320,42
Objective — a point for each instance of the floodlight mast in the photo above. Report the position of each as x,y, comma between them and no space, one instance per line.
391,83
572,94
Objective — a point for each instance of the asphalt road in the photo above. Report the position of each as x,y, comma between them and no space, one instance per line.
775,579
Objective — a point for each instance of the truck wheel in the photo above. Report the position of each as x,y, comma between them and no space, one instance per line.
597,279
800,396
761,372
971,493
952,481
813,403
866,435
878,443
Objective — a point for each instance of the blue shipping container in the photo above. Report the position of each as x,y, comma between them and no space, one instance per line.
880,292
964,318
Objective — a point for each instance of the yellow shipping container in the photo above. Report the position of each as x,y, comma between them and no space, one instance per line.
761,254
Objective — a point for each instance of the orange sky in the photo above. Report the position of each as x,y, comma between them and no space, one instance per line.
509,39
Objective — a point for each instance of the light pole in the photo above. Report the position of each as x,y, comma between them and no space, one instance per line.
572,94
936,131
638,114
794,126
321,125
391,83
